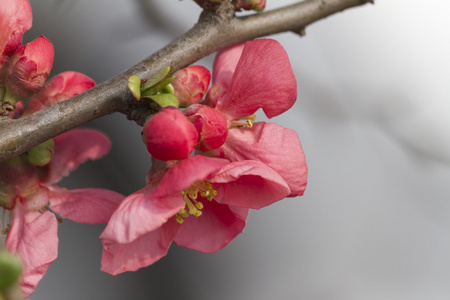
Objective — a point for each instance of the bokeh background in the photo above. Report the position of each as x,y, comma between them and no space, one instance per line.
373,118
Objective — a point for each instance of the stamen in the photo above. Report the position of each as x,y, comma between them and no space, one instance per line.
190,196
243,122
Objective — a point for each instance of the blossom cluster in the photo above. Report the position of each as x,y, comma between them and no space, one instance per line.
29,194
211,162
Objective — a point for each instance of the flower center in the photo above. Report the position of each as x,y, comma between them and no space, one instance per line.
193,205
243,122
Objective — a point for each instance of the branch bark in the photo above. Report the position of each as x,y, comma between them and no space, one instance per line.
213,31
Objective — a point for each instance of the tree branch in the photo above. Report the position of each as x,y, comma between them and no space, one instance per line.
213,31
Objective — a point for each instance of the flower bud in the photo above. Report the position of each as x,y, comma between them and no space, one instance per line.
257,5
169,135
190,84
28,70
41,154
211,125
10,269
209,4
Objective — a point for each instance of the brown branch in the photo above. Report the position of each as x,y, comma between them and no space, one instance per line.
213,31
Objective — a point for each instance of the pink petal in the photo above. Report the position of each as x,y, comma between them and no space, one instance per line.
273,145
263,78
147,249
225,64
218,225
73,148
139,214
90,206
186,173
33,236
250,184
61,87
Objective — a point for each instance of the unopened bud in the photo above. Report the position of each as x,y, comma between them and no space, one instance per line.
190,84
257,5
169,135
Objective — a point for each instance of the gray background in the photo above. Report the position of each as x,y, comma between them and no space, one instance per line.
372,115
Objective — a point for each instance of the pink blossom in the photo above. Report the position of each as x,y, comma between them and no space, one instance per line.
144,225
27,191
15,20
190,84
61,87
247,77
169,135
257,5
28,69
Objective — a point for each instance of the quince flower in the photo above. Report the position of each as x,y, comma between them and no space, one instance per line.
15,20
201,203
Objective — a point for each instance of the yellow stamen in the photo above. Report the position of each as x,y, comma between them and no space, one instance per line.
190,197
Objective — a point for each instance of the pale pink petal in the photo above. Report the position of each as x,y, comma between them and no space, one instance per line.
61,87
250,184
147,249
273,145
139,214
218,225
263,78
33,236
225,63
89,205
186,173
73,148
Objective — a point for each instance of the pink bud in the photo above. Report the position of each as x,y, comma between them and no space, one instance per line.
211,125
28,69
190,84
15,19
215,93
169,135
257,5
61,87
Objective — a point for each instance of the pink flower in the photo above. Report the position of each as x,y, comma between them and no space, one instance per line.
15,20
190,84
200,203
27,191
257,5
247,77
169,135
61,87
28,69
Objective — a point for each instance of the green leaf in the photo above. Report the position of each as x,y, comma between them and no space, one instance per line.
157,77
41,154
134,85
165,100
159,86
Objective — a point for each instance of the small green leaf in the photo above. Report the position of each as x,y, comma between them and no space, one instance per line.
157,77
168,89
10,269
165,100
41,154
134,85
158,87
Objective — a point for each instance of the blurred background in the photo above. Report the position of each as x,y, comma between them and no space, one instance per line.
373,118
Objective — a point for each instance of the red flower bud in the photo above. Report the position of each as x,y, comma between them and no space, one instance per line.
28,69
211,125
169,135
190,84
257,5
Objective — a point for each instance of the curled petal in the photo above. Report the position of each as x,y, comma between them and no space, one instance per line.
147,249
139,214
73,148
263,78
89,206
33,236
218,225
225,64
186,173
276,146
61,87
250,184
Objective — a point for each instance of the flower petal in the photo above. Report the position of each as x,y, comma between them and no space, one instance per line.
218,225
73,148
273,145
139,214
187,172
263,78
89,206
33,236
225,64
145,250
249,183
